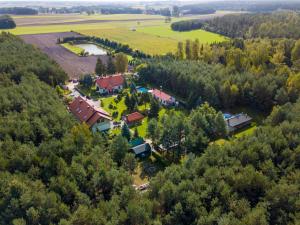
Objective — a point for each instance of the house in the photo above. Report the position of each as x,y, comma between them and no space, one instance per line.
238,121
96,118
134,118
142,150
110,84
163,97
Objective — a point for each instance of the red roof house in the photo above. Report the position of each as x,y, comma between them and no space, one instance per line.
163,97
95,118
110,84
134,118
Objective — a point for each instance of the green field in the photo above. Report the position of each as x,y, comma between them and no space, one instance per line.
147,33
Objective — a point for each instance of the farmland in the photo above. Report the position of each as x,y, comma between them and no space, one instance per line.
72,64
147,33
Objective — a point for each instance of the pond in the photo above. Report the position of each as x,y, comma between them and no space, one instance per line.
92,49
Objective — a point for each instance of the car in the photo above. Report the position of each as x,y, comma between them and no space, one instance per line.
143,187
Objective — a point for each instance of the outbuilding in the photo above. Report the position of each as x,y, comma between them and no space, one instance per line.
142,151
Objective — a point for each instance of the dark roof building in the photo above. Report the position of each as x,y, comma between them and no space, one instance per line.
238,121
142,150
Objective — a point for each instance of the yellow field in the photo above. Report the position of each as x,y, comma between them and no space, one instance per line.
147,33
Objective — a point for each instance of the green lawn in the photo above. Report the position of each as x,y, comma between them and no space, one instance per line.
120,106
72,48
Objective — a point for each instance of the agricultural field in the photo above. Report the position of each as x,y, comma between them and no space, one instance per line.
148,33
72,64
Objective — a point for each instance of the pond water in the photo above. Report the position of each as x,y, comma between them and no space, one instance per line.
92,49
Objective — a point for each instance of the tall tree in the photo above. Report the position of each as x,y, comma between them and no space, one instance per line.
180,50
121,62
119,148
188,49
126,132
100,67
195,49
111,67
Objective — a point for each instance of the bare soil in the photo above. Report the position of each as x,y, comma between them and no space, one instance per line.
74,65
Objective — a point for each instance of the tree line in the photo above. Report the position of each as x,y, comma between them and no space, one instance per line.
117,47
18,11
258,25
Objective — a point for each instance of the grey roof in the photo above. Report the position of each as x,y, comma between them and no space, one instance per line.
238,120
141,148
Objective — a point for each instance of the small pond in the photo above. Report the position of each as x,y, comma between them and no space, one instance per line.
92,49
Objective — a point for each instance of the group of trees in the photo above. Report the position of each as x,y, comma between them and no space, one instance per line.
271,25
118,64
117,47
252,180
197,82
179,133
6,22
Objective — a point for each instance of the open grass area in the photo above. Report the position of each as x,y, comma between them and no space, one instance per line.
148,33
120,107
153,39
72,48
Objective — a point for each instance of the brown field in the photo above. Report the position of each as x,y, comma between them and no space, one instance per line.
72,64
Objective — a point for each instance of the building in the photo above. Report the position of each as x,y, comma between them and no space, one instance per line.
110,84
142,151
163,97
96,118
238,121
134,118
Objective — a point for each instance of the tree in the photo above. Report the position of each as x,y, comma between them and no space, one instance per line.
176,11
100,67
86,81
188,49
153,131
195,49
296,55
126,132
154,108
121,63
130,163
111,67
119,148
136,133
180,51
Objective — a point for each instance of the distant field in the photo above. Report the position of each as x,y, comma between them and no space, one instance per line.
152,35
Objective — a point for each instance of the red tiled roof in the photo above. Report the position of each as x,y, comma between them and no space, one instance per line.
85,112
161,95
134,117
110,81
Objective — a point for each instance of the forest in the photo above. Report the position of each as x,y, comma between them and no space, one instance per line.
6,22
268,25
54,171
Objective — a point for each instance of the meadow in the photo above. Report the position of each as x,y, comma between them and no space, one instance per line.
147,33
